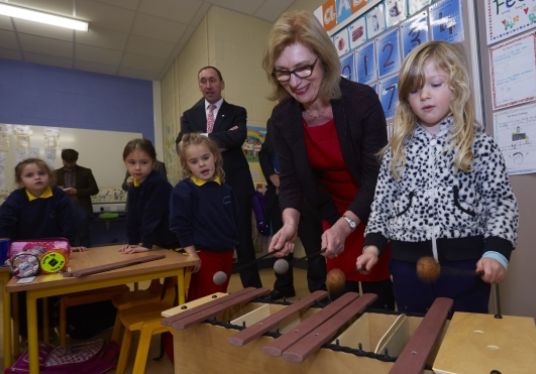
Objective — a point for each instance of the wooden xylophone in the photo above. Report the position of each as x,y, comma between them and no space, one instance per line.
235,334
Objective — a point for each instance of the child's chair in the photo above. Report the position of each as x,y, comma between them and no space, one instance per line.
145,318
82,298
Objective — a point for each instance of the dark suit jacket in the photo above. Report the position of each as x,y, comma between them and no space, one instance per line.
228,138
85,185
362,132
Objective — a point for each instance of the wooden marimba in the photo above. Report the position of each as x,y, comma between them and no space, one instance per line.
235,334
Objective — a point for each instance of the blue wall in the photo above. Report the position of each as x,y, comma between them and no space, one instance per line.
32,94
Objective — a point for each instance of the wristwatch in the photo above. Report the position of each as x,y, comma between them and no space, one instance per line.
351,223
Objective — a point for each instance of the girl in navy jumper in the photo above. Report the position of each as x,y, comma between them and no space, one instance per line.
147,200
203,213
442,191
37,210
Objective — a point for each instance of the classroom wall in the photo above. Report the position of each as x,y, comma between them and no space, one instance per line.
35,94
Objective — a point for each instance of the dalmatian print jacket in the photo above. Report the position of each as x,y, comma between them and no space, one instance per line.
463,214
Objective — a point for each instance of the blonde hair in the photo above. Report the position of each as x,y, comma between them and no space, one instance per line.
42,165
198,139
303,27
448,58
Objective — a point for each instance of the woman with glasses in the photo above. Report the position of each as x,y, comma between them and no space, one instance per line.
327,132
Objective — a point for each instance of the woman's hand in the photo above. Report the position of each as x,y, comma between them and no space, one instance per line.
368,258
133,248
492,271
282,242
333,239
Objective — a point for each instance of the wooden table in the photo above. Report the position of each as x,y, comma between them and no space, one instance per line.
173,265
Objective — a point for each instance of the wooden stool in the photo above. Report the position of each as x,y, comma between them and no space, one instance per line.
132,299
81,298
146,319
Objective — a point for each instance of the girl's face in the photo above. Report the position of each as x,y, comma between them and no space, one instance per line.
139,164
294,62
431,102
34,179
200,161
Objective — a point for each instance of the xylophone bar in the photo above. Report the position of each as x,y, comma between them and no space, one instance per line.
276,347
259,328
192,312
217,307
416,351
325,332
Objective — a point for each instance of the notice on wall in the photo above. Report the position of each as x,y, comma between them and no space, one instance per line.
508,18
515,133
513,72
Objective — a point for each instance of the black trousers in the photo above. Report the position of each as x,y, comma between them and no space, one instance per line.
245,252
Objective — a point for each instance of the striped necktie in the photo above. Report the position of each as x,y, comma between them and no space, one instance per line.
210,118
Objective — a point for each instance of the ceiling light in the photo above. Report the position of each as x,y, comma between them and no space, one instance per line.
37,16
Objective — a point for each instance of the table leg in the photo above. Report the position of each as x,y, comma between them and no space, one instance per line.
6,316
32,327
15,315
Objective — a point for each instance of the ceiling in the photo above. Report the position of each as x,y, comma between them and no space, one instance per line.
130,38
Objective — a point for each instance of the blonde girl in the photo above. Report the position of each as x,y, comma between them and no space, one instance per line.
203,214
442,191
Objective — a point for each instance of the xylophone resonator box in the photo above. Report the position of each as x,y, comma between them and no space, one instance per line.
236,334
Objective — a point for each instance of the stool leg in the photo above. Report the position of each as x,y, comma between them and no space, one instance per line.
143,351
62,328
116,331
124,352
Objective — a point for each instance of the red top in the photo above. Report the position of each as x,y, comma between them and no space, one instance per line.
324,153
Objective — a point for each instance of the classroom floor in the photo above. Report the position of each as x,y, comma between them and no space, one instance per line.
164,366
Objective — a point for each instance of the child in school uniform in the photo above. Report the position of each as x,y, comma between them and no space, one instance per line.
203,214
442,191
147,200
36,210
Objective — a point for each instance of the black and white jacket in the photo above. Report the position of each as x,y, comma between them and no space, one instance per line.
433,204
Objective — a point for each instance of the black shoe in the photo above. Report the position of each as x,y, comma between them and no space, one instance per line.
277,294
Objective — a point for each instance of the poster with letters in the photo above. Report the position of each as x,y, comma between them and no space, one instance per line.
506,18
513,71
347,66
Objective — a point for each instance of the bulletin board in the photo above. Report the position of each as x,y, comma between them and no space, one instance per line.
374,37
101,151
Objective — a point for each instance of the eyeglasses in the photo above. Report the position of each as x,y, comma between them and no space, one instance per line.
283,76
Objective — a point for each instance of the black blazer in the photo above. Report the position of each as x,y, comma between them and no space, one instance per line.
85,185
229,133
362,132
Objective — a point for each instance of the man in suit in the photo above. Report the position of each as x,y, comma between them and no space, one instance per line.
225,124
78,182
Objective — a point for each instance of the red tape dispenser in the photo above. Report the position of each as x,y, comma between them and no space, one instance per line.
28,257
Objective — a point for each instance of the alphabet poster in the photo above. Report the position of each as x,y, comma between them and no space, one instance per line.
506,18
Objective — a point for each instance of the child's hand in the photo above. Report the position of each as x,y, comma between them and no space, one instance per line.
133,248
493,271
366,261
192,252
